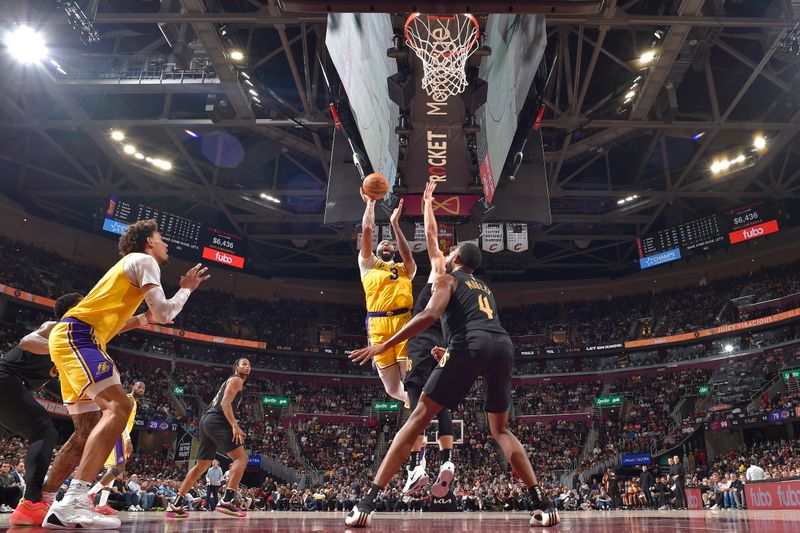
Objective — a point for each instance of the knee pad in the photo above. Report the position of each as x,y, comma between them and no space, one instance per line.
445,423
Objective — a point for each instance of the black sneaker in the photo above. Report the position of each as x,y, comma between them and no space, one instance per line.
360,515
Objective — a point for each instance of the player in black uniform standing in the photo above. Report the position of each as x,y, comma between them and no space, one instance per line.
219,432
421,366
24,369
477,345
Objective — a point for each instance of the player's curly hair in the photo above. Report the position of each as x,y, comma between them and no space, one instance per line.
66,302
135,237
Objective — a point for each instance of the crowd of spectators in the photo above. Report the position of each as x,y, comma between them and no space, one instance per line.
302,325
556,397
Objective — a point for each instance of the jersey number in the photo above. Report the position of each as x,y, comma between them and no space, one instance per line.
395,273
483,305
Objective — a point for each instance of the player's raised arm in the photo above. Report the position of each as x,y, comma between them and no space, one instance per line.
159,309
367,225
402,244
432,232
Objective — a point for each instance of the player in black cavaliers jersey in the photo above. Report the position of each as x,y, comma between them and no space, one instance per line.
219,432
477,345
422,363
26,368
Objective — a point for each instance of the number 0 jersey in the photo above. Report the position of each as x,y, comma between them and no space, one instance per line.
472,307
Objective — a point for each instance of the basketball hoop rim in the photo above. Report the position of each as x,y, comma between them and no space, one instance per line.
464,49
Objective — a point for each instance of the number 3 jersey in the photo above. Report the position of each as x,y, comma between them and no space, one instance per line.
471,308
387,286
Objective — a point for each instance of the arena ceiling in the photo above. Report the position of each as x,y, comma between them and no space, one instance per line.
721,76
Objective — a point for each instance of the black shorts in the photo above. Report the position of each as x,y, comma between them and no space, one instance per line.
216,436
482,353
20,413
420,359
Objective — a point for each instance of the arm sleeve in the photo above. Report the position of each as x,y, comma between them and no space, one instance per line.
164,310
365,265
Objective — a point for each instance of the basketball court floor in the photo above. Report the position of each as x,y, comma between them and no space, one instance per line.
573,522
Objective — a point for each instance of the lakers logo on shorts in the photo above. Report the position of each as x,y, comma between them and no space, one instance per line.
102,367
409,364
54,372
445,358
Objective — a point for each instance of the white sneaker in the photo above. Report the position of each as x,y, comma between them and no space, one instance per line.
140,508
544,518
417,478
715,507
441,486
5,509
358,518
76,514
132,509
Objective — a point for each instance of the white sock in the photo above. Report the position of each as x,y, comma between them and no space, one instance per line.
104,495
77,489
96,488
49,497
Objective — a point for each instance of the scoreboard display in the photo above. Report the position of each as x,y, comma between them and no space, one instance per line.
186,238
732,226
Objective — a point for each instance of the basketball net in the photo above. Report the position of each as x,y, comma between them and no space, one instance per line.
443,43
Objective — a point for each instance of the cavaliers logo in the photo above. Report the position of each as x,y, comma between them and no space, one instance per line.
409,364
103,367
451,205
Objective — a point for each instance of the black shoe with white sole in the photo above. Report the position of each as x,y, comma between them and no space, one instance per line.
360,515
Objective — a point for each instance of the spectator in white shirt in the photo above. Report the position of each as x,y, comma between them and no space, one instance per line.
754,473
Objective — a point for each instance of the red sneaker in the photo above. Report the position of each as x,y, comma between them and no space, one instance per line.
29,513
105,510
91,500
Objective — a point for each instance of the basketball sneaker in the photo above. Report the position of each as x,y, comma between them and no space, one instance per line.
105,510
175,511
29,513
417,478
360,515
77,515
230,509
441,486
544,514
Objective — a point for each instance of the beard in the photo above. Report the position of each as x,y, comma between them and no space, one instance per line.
387,256
448,267
137,396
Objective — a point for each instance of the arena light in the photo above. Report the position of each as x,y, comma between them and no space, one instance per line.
190,133
647,57
627,199
728,348
138,155
26,45
129,149
117,135
253,92
630,94
759,142
699,135
236,55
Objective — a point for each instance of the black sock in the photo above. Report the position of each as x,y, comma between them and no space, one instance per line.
374,490
447,455
229,496
413,460
178,501
538,497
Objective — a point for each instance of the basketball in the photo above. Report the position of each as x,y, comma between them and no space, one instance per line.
375,186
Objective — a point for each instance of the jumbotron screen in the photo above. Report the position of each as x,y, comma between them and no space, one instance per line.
732,226
187,238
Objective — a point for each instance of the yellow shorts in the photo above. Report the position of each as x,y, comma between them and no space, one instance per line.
84,367
380,329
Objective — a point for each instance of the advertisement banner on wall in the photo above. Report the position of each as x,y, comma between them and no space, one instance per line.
773,495
694,500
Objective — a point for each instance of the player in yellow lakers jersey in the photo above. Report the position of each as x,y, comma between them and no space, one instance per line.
89,378
387,287
115,464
